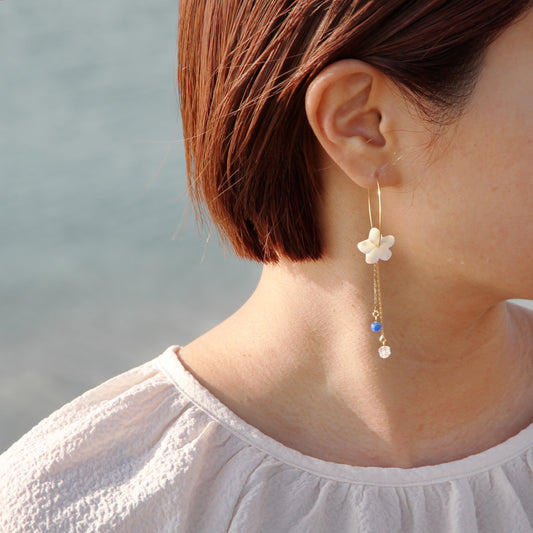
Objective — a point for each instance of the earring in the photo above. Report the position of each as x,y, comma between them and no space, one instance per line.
377,247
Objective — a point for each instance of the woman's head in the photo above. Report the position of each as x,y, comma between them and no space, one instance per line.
245,68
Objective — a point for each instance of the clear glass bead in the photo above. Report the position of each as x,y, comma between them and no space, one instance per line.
384,352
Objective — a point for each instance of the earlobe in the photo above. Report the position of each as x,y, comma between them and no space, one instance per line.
343,109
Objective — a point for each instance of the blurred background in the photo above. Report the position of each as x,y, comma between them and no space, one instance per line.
100,269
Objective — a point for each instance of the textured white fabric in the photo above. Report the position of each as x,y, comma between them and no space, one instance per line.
153,451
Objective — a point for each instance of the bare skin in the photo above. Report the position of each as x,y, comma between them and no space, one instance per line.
298,360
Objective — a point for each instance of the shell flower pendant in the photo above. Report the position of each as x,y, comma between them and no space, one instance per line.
375,248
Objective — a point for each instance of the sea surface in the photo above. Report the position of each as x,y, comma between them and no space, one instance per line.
101,268
101,265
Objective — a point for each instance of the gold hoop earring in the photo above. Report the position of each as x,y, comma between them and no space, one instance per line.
377,247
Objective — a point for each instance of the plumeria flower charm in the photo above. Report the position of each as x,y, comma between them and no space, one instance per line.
374,249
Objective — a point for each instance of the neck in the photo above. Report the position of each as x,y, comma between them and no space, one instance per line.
457,381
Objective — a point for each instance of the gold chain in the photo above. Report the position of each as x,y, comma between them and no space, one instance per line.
378,306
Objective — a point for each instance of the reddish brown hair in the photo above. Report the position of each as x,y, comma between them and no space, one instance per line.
244,67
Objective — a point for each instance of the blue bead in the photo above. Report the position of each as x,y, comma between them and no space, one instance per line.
376,326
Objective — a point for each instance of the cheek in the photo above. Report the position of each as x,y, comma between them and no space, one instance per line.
488,214
479,204
495,140
474,200
493,164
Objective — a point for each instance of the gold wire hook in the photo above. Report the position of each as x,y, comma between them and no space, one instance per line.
379,209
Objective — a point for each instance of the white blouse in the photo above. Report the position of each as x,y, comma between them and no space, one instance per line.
153,451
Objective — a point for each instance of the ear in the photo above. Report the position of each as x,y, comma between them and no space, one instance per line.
350,107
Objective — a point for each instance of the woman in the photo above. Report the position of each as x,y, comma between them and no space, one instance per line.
316,130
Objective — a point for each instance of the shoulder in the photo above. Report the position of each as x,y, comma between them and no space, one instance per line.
96,459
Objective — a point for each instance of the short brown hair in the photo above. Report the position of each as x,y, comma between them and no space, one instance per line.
243,70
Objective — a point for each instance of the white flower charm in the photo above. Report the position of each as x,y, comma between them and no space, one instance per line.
374,249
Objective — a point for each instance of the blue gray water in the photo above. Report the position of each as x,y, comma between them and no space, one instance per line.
92,280
92,187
